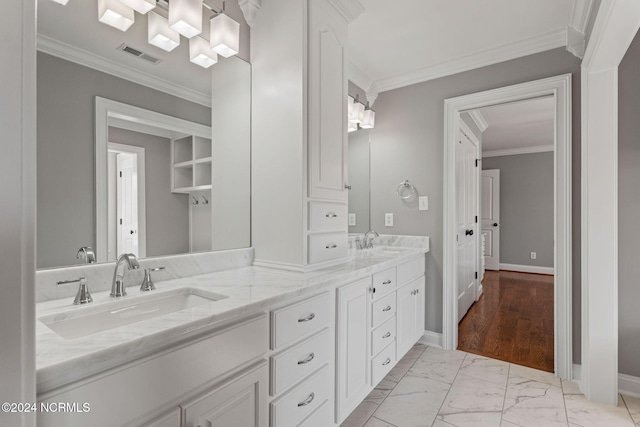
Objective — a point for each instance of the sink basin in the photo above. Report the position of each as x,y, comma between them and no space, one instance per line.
89,320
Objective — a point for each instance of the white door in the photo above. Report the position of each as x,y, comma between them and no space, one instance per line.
491,218
466,217
127,200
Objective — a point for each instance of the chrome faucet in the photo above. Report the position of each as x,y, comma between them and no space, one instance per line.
118,285
87,254
367,242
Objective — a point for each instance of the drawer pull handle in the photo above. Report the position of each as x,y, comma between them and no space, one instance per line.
387,335
387,308
307,318
386,282
331,215
386,362
307,360
307,400
331,246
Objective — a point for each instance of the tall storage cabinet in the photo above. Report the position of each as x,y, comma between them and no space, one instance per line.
299,102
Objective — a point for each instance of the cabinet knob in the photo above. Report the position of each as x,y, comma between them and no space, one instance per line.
386,282
387,335
386,362
331,215
307,318
307,359
307,400
387,308
347,186
331,246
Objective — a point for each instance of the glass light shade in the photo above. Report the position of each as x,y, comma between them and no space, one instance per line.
349,107
225,35
368,120
357,113
185,17
62,2
352,127
140,6
115,14
200,53
160,34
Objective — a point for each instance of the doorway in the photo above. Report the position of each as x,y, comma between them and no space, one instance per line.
559,88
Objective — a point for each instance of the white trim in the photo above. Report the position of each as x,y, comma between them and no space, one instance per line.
580,14
432,339
527,268
615,27
479,120
349,9
627,384
361,79
576,371
515,151
105,110
87,59
250,9
560,88
142,194
477,59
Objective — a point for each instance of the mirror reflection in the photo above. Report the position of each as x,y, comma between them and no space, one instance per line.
359,218
181,190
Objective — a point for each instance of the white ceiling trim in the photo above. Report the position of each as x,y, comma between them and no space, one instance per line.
250,9
349,9
514,151
82,57
479,120
475,60
359,78
580,14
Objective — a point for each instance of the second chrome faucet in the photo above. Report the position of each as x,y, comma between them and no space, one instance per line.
118,285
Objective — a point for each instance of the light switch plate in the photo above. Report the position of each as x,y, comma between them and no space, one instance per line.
388,220
423,203
352,219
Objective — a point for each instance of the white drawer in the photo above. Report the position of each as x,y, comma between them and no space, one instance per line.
294,406
292,322
289,367
384,282
410,270
383,363
327,216
383,309
325,247
321,417
383,335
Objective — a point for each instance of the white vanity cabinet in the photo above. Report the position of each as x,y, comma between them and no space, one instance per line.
411,305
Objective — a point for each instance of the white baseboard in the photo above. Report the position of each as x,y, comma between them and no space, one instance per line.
627,384
432,339
527,268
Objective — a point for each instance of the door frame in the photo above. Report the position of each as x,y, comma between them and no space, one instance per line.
560,88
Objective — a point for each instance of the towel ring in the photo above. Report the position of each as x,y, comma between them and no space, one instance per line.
406,184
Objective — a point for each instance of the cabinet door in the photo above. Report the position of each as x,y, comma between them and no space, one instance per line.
351,325
405,318
327,100
420,310
240,401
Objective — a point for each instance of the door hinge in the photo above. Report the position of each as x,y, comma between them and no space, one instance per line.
120,221
476,162
476,219
120,174
476,274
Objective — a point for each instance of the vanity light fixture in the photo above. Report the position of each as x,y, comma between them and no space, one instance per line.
352,127
357,111
369,118
160,34
224,34
115,14
200,53
140,6
185,17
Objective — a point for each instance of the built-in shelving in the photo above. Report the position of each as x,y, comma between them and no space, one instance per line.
190,164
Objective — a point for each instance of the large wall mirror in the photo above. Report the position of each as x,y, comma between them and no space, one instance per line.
134,156
359,179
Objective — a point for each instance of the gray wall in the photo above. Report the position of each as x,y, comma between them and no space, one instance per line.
65,126
629,211
167,213
407,143
359,179
526,207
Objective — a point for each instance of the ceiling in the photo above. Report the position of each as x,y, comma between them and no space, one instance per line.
518,127
394,44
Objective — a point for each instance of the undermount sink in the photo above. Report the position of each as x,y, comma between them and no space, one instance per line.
87,321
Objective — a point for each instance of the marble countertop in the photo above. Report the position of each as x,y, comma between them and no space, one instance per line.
248,290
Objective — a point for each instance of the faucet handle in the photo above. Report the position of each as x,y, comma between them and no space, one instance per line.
83,296
147,283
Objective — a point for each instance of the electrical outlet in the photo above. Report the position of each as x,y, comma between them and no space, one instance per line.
423,203
533,255
388,220
352,220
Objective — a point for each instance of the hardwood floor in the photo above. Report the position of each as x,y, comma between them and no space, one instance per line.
512,321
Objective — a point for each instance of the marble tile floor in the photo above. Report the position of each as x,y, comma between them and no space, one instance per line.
431,387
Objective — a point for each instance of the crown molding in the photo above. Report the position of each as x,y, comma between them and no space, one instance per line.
514,151
362,80
479,120
349,9
517,49
580,14
250,9
87,59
